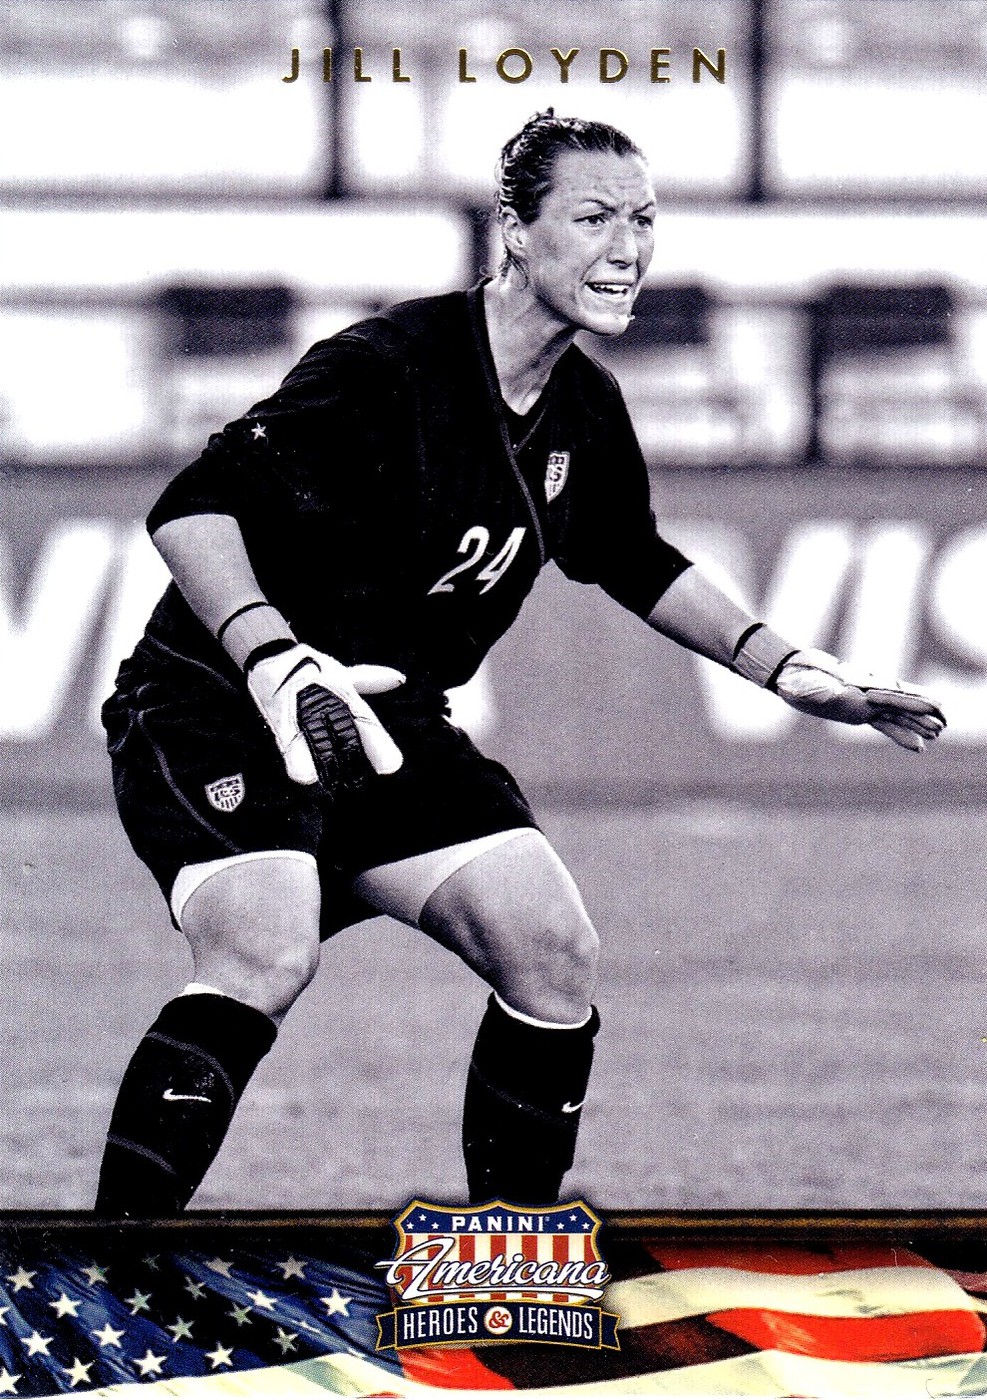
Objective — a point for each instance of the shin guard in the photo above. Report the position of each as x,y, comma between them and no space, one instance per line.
524,1094
176,1102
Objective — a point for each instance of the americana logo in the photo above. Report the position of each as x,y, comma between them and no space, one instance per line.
497,1273
226,794
555,474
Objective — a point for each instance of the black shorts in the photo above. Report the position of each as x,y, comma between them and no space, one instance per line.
170,747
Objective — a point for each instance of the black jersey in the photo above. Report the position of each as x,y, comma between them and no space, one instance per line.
389,515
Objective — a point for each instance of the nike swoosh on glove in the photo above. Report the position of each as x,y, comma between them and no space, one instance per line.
821,685
277,683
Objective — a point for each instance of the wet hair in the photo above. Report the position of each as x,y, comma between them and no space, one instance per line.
527,161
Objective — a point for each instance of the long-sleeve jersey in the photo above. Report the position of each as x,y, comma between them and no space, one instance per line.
388,514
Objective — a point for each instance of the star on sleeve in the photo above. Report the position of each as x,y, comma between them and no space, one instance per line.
8,1383
261,1300
220,1266
138,1302
292,1268
22,1278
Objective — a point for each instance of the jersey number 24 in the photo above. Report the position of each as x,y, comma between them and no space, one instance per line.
474,545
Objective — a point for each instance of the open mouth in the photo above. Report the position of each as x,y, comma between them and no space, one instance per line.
613,291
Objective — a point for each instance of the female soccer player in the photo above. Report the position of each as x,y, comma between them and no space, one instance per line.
371,530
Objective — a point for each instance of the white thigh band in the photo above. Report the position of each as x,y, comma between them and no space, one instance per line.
190,877
402,888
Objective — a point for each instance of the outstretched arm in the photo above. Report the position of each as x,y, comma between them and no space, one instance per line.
696,613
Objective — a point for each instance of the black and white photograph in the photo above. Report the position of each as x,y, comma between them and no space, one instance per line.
492,658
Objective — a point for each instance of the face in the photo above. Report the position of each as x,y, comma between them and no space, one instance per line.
588,250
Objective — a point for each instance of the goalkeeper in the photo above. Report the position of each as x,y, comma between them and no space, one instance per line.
342,556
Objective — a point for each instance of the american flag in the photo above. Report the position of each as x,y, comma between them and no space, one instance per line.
294,1315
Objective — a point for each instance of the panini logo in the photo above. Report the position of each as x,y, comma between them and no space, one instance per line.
556,474
497,1272
226,794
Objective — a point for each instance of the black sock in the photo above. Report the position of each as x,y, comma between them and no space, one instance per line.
524,1094
176,1102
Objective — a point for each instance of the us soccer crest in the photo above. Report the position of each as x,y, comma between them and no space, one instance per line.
226,794
555,474
497,1273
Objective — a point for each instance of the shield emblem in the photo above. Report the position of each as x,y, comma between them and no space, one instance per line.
226,794
497,1272
555,474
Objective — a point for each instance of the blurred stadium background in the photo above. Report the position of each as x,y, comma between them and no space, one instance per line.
792,914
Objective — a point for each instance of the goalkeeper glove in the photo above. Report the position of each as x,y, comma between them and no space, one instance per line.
820,685
816,682
312,704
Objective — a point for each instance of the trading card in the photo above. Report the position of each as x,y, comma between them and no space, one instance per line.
764,235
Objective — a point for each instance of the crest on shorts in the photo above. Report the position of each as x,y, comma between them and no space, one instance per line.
226,794
496,1273
555,474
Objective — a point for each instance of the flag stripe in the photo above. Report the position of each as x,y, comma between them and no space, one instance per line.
857,1293
857,1338
763,1374
785,1259
451,1368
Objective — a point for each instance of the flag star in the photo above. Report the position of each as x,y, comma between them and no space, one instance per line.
95,1274
108,1336
286,1340
150,1365
138,1303
3,1316
8,1383
239,1315
66,1306
220,1357
37,1345
151,1260
336,1303
261,1300
560,1226
587,1226
258,431
78,1373
291,1268
22,1278
220,1266
180,1328
196,1289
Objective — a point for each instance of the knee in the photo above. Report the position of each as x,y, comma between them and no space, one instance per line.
254,932
270,979
553,973
569,944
